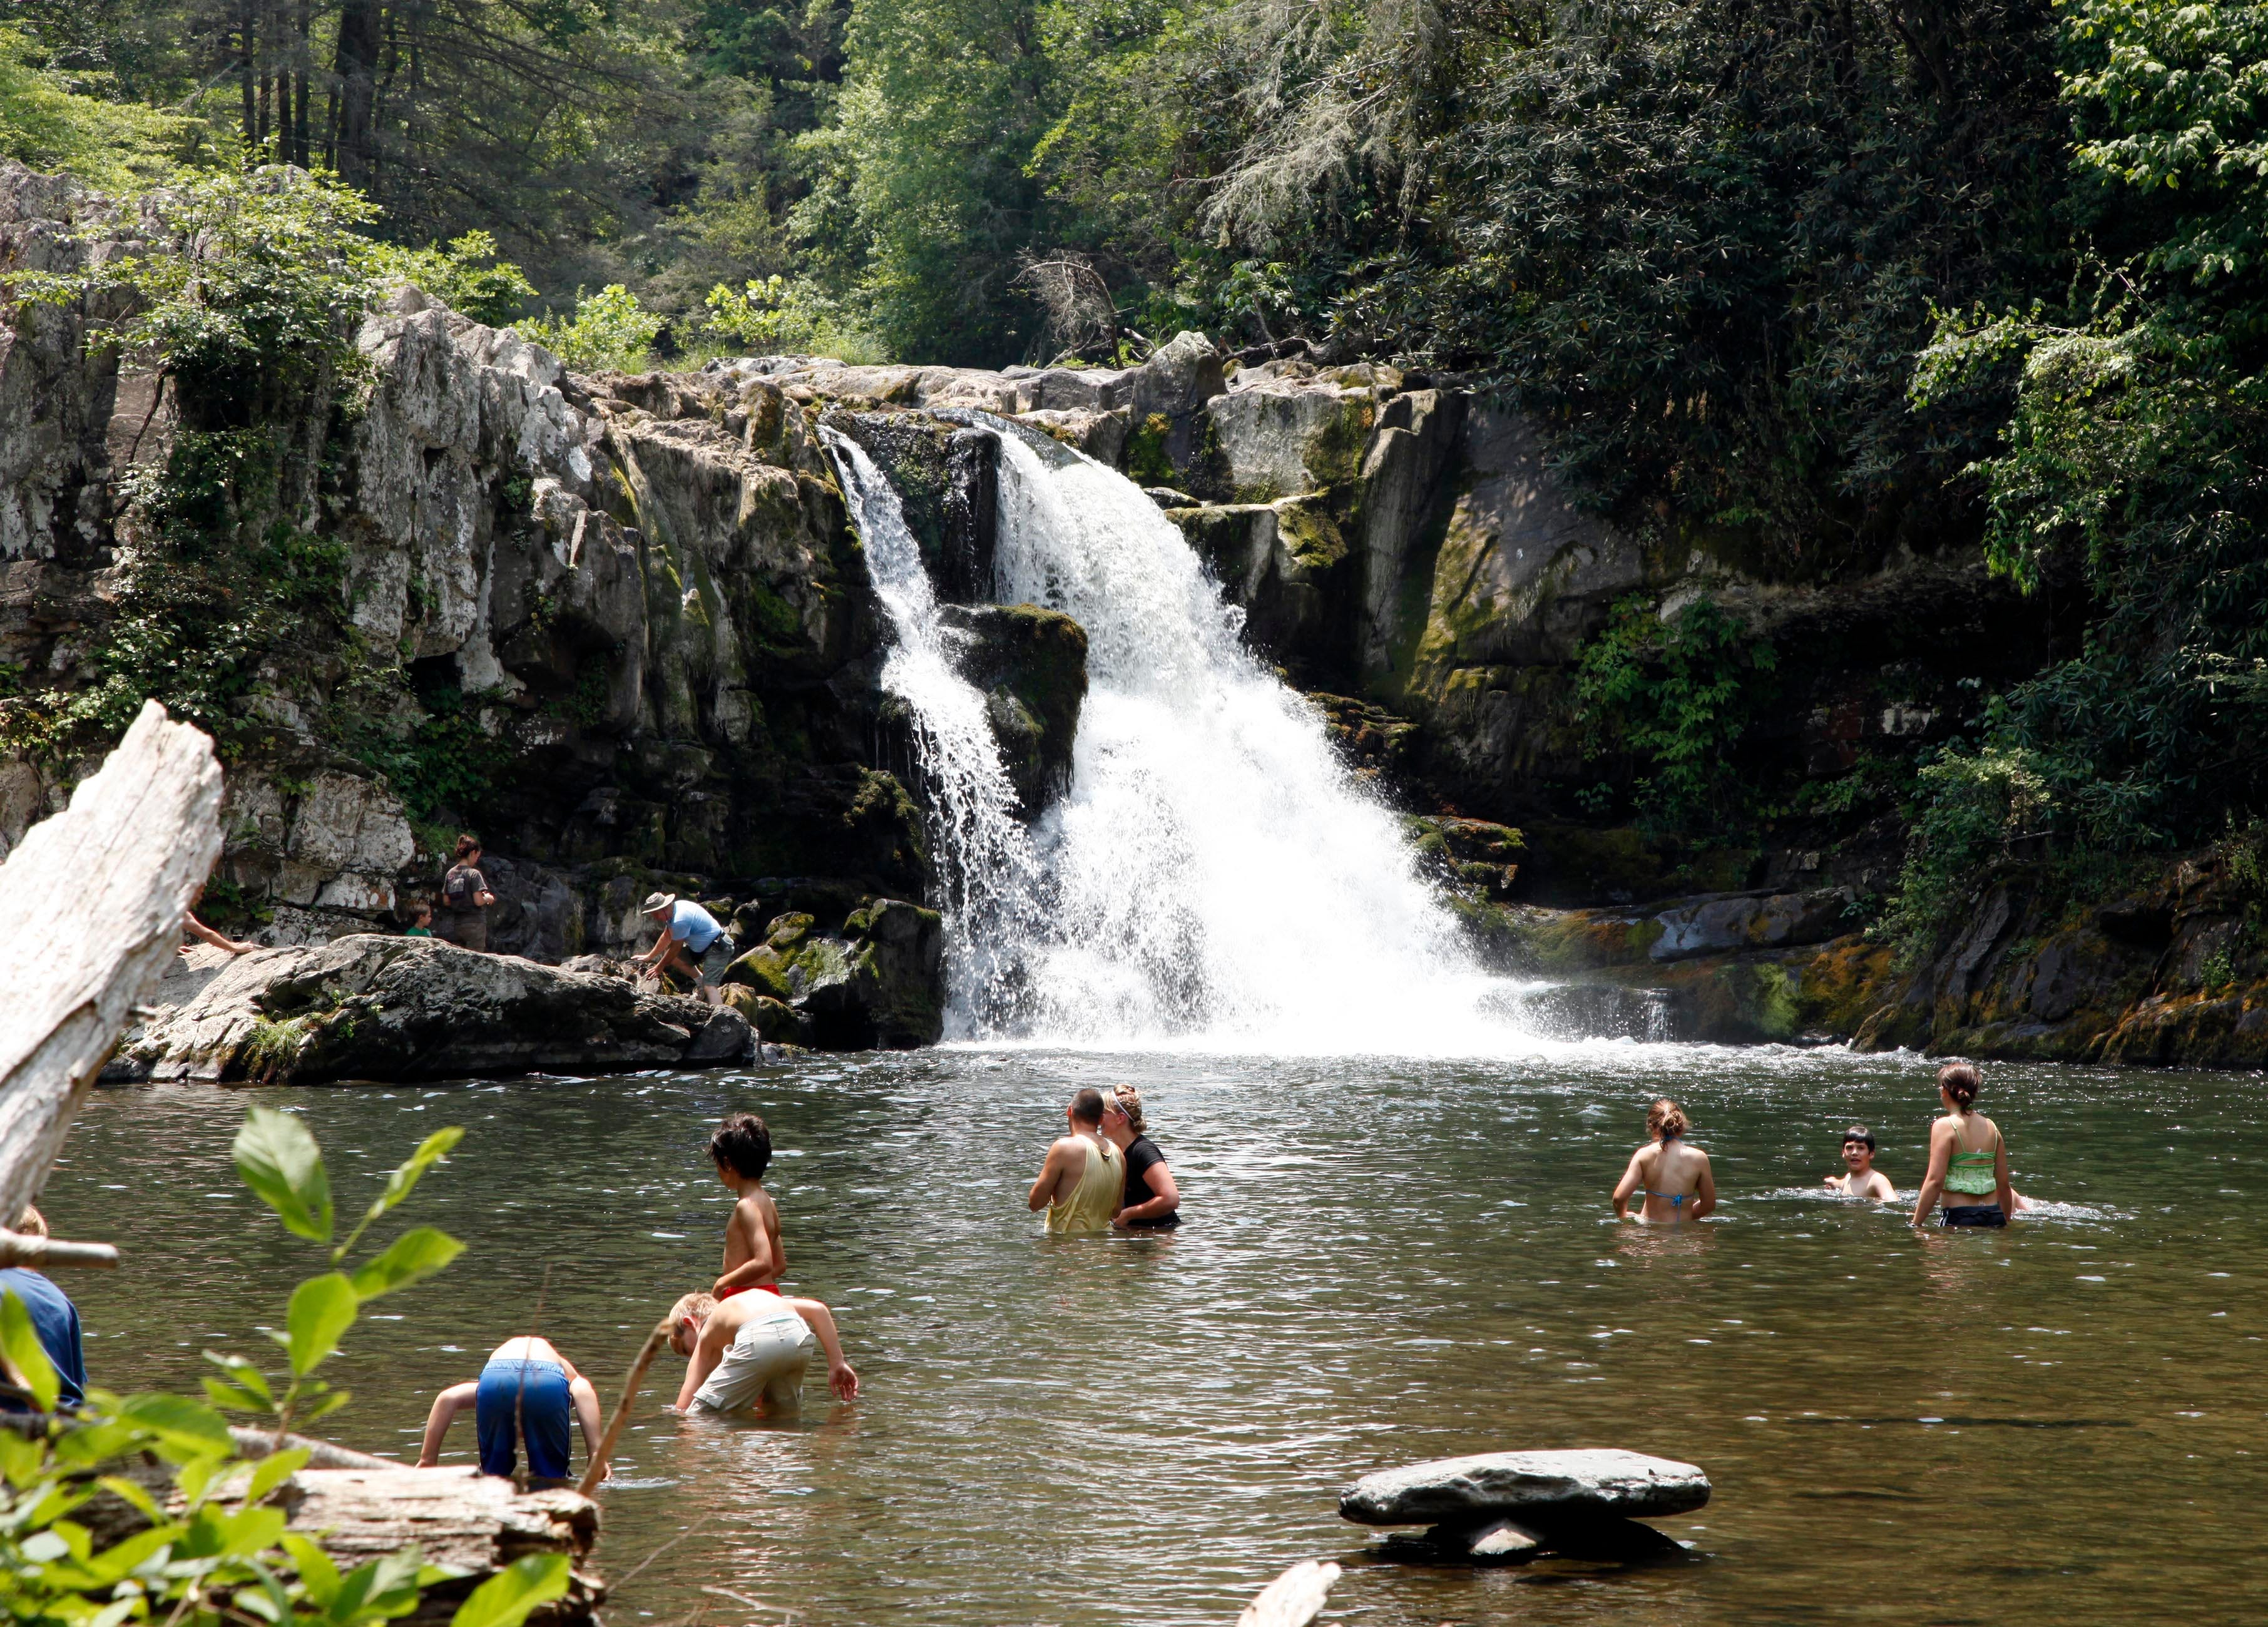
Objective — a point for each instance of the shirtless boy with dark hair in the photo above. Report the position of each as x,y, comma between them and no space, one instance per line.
742,1151
1861,1179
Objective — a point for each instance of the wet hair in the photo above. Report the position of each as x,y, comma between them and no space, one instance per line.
1861,1134
1665,1120
743,1146
467,844
1087,1107
419,907
1961,1081
1128,1102
31,1223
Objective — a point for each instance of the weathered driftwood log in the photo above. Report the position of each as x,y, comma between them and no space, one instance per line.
462,1519
467,1520
90,907
1293,1599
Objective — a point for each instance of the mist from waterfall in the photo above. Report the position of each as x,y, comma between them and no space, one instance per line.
1214,876
982,854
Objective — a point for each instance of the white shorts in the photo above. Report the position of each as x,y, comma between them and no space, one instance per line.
764,1362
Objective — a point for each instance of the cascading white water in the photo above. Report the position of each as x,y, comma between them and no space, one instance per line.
1214,875
983,855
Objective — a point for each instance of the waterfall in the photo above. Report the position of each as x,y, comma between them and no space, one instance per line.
1214,875
983,855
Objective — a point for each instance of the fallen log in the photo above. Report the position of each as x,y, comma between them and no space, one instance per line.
93,899
469,1521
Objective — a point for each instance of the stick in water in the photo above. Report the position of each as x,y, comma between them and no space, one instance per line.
654,1341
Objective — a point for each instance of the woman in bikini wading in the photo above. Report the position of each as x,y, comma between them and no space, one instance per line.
1672,1177
1967,1158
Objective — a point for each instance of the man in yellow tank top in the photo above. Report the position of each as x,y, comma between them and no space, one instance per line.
1084,1177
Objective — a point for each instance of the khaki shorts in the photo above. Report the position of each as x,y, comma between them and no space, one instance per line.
765,1363
719,955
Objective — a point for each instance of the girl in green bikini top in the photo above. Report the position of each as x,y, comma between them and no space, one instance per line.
1968,1160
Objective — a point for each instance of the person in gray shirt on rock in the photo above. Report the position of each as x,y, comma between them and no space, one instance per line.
464,898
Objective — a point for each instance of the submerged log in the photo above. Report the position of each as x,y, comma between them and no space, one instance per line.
92,900
469,1521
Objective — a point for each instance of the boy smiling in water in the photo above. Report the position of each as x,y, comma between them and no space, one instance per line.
1862,1179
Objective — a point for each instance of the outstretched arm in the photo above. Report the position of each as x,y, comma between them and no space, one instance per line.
839,1375
585,1397
1630,1182
204,934
447,1405
706,1354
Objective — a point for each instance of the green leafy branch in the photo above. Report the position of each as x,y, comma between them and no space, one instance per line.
279,1161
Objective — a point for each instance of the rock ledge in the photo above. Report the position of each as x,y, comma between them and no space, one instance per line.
1591,1484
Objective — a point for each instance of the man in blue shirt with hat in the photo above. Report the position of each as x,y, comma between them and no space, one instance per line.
692,941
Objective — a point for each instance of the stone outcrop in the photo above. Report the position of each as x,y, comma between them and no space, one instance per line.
1031,664
366,1007
1599,1483
875,982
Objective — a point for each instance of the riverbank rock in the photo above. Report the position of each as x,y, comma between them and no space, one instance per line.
1533,1487
387,1009
877,982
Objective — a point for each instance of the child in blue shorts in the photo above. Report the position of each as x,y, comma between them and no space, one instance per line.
525,1392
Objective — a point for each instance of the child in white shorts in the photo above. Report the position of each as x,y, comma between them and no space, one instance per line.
749,1353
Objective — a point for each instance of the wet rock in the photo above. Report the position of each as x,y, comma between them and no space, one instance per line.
1531,1486
1406,491
878,982
1501,1542
946,478
1286,564
1032,665
365,1007
1727,925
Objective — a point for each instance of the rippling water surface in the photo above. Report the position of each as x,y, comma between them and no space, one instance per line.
1385,1261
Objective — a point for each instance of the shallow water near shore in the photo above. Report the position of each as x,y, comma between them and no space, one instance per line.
1385,1261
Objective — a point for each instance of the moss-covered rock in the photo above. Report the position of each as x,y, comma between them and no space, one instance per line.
879,981
1031,664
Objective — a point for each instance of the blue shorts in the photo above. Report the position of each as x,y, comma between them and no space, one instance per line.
536,1392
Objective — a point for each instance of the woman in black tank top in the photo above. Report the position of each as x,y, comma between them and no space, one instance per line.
1152,1202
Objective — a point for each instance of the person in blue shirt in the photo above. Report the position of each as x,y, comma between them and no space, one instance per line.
55,1319
692,941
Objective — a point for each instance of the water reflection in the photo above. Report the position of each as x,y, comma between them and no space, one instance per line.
1384,1261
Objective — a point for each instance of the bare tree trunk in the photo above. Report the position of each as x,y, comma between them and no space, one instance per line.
121,864
300,152
359,22
249,65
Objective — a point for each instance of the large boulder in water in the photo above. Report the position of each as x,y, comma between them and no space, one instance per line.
1551,1487
367,1008
1032,665
878,982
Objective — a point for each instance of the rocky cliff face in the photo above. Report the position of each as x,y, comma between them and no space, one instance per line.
622,624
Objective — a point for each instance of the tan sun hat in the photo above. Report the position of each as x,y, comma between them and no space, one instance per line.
656,902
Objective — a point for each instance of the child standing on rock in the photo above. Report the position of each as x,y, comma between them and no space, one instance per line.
742,1151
